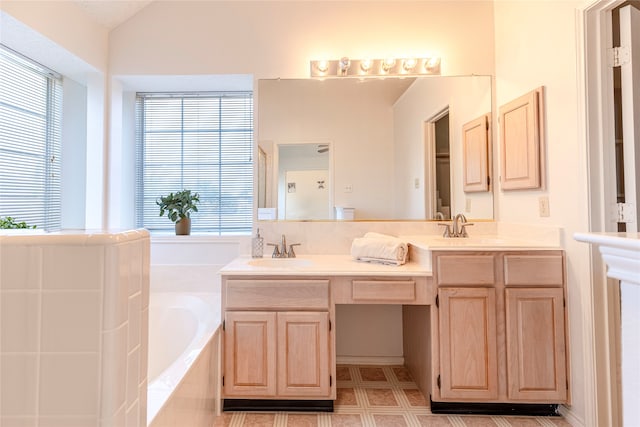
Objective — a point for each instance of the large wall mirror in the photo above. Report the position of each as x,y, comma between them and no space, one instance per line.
373,149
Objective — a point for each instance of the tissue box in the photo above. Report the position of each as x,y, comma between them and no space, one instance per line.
345,214
266,214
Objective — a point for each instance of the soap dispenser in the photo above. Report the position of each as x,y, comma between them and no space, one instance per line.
257,245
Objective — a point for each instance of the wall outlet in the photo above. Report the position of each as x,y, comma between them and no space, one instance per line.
467,206
416,183
348,188
543,205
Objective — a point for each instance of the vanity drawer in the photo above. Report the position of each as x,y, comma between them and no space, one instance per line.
527,270
465,270
383,290
277,294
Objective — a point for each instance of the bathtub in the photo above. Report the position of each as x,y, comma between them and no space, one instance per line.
183,347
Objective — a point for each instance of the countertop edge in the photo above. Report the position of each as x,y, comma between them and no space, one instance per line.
328,265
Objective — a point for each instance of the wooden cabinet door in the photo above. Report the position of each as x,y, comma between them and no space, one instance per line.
303,354
468,344
522,142
250,354
536,359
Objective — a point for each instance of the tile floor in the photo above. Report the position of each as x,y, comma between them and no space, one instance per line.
381,397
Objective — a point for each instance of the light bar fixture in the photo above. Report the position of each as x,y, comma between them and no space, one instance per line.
345,67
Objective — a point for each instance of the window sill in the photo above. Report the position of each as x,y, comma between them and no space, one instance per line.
167,237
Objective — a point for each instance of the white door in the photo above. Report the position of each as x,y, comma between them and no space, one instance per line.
630,98
307,195
630,297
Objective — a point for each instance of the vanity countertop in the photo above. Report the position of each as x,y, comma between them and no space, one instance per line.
478,242
345,265
326,265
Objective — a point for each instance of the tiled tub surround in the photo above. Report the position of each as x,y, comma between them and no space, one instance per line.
73,319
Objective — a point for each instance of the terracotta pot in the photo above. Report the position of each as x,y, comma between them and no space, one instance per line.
183,227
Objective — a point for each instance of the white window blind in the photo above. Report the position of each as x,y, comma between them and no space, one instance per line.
30,141
201,142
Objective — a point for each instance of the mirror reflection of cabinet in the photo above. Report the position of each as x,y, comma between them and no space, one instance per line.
475,142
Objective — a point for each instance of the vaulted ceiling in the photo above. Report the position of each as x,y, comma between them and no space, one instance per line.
111,13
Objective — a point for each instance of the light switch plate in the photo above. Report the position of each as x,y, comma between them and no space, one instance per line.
543,206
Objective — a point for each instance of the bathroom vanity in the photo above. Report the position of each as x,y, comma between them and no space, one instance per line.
483,325
499,327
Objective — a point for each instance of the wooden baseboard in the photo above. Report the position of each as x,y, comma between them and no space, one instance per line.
570,416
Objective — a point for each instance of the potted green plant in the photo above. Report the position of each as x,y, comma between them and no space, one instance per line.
178,207
7,222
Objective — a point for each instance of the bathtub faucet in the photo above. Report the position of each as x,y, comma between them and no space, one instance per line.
282,251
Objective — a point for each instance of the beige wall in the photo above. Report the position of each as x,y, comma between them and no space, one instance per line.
70,28
528,55
235,38
278,39
535,45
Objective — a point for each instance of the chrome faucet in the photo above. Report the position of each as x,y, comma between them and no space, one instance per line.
282,251
459,224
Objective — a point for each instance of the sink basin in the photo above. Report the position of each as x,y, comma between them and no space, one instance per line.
280,262
488,241
470,242
473,241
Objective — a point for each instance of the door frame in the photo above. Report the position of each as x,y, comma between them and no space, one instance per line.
430,201
596,122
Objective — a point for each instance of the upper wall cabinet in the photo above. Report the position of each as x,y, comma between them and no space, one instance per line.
476,155
522,142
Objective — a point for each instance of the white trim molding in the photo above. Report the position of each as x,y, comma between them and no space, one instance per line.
595,121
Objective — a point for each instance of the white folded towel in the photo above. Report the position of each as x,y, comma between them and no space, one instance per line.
379,248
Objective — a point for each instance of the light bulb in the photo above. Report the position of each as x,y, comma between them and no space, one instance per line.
322,66
432,64
388,63
409,64
345,63
365,65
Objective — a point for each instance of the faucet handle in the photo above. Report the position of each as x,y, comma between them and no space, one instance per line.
276,251
463,230
447,230
292,254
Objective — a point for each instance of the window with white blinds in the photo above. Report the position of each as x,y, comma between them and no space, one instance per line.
30,141
201,142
